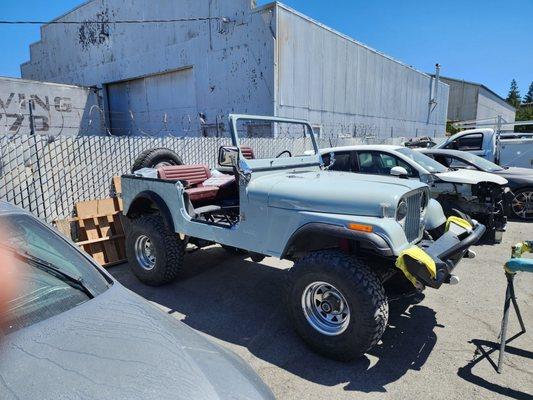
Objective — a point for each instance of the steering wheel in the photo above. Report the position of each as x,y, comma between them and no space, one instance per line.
283,152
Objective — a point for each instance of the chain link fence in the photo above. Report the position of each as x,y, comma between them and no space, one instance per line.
47,176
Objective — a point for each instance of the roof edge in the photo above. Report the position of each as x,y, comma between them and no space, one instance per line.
83,4
344,36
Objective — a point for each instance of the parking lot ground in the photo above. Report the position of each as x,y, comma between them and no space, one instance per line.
430,349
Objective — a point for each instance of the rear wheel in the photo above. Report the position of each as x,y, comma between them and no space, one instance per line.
155,254
337,304
156,158
522,204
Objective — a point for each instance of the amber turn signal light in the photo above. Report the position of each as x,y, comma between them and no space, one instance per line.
361,228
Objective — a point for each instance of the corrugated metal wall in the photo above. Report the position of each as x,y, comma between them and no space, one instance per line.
490,106
470,101
332,80
462,104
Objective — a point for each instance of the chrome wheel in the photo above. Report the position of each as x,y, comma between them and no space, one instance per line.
145,252
522,204
325,308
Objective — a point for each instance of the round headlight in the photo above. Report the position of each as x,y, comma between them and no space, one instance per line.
401,211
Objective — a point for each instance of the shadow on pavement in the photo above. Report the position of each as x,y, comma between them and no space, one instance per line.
242,302
481,354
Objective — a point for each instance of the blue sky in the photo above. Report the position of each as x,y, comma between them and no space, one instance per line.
486,41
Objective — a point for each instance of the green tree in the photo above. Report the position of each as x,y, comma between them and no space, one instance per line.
524,114
528,98
513,98
450,129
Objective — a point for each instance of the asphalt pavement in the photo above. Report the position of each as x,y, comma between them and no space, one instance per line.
441,346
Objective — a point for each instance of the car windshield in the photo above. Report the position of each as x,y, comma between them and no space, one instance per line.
291,139
480,162
53,275
424,161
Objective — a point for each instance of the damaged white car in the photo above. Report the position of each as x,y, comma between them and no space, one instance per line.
481,195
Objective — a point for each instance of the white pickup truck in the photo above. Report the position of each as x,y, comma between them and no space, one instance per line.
515,150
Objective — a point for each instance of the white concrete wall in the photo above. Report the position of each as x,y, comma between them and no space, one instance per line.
58,109
231,62
344,86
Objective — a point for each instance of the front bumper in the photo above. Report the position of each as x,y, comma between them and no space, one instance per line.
431,263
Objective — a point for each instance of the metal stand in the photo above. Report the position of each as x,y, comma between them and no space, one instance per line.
509,297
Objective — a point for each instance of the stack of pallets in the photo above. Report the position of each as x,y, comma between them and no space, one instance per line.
98,228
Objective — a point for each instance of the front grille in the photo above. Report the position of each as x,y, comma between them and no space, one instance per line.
412,221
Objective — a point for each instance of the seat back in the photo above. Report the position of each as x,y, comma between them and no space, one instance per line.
247,152
193,174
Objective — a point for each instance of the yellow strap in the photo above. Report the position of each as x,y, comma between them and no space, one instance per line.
420,255
463,223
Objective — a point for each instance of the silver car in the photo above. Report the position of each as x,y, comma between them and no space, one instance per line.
74,332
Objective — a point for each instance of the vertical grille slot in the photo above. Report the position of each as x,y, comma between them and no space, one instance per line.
412,223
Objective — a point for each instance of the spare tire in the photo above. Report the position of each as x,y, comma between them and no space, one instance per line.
155,158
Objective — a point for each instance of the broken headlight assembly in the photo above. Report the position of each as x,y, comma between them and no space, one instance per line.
401,212
424,202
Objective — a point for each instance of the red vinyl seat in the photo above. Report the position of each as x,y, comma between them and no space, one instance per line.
202,193
195,176
247,152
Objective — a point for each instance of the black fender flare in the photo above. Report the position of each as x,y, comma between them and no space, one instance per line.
139,203
301,235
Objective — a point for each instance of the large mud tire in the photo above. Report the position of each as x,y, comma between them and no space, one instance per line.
361,290
155,254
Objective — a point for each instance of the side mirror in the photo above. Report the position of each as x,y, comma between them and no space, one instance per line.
400,172
228,156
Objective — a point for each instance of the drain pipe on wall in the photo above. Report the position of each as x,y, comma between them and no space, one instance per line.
434,92
437,79
435,95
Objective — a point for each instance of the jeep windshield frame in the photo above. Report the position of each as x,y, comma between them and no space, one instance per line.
266,164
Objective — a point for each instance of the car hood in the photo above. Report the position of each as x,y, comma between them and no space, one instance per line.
331,191
516,172
470,177
119,346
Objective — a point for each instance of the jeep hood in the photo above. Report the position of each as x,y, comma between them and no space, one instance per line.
331,191
470,177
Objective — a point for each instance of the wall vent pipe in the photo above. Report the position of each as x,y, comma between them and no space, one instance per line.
434,92
437,79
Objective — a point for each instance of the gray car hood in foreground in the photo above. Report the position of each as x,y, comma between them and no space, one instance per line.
118,346
332,191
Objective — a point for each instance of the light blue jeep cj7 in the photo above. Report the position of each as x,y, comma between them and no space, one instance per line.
347,234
